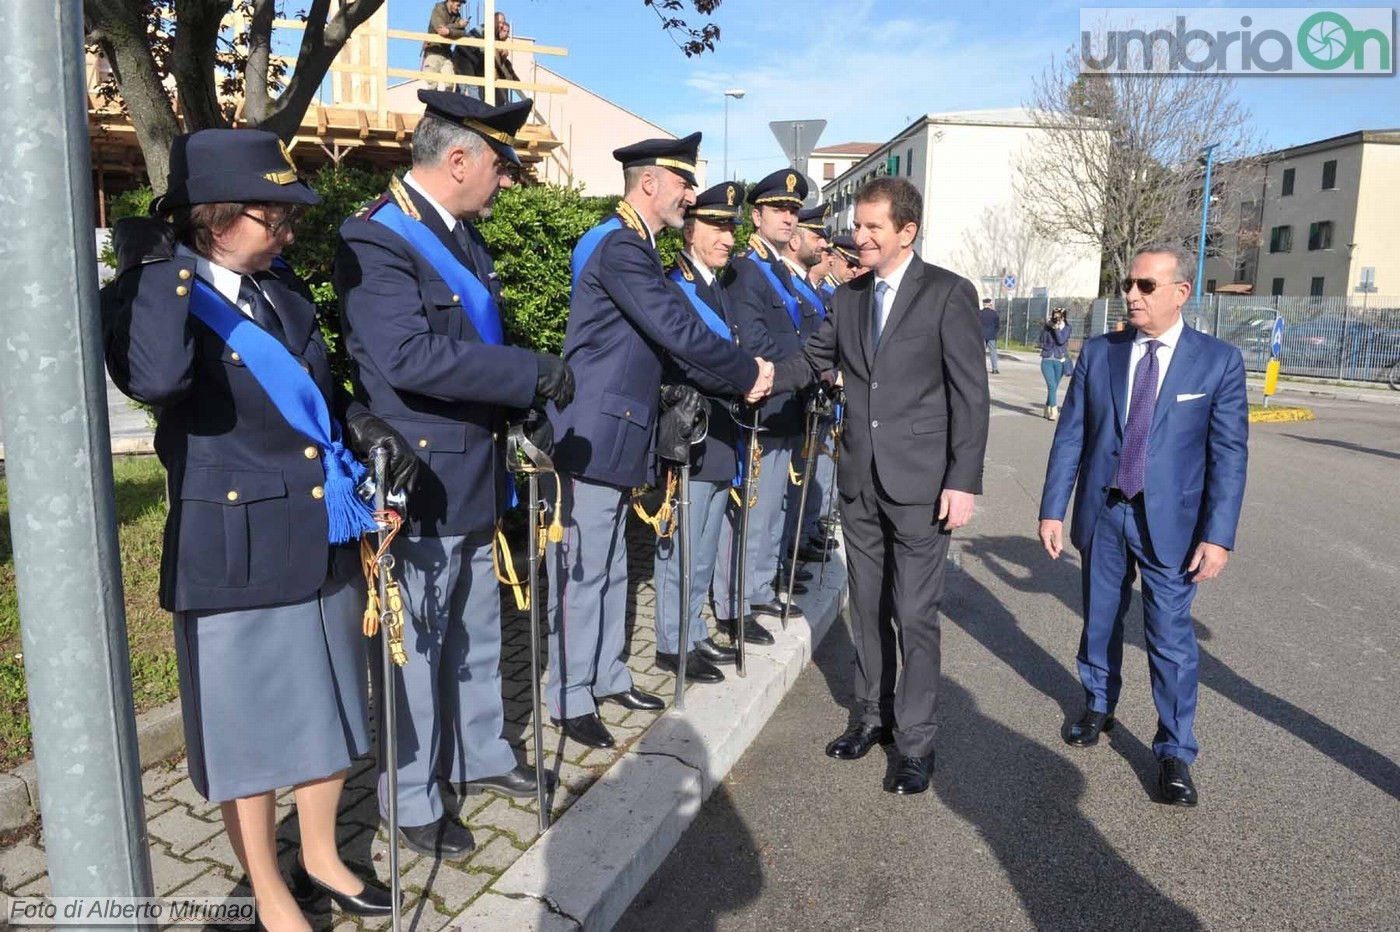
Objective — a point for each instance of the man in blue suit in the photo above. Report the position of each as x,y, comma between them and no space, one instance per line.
1153,440
420,301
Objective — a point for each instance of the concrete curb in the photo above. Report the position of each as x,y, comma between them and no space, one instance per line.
590,865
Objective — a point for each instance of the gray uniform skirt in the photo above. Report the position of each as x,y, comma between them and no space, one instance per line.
273,696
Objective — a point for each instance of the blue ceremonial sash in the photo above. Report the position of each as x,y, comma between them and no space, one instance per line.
817,304
789,299
476,297
589,244
713,321
297,398
828,289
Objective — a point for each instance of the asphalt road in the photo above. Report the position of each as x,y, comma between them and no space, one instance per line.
1299,821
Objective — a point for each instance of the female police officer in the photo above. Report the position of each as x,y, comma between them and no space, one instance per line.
208,325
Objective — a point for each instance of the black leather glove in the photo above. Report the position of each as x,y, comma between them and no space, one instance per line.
138,240
539,431
554,383
364,432
681,409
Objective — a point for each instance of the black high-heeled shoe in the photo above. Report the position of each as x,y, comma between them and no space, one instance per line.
373,900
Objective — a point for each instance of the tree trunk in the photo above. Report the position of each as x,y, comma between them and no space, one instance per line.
192,61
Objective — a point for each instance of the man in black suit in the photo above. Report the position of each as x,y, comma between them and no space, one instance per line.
909,345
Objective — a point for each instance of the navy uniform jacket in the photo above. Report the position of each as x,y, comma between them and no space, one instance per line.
247,527
623,317
421,365
766,328
716,459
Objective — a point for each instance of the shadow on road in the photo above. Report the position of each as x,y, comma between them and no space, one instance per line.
1346,445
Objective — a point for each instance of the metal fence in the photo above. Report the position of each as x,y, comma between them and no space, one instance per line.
1333,338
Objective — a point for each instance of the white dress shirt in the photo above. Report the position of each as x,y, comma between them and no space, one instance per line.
448,220
226,281
705,274
1164,358
892,283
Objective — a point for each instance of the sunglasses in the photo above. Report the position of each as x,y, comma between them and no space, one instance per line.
1145,285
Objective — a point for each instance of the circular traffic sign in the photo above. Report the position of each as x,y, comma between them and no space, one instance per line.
1276,338
1009,282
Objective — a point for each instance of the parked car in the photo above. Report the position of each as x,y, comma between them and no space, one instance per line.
1252,334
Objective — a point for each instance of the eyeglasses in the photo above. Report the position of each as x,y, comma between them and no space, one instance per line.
1145,285
275,228
509,169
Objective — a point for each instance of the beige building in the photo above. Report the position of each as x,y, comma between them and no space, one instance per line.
828,162
1324,211
965,166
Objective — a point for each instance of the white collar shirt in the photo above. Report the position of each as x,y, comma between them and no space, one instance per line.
1165,352
448,220
892,282
705,274
226,281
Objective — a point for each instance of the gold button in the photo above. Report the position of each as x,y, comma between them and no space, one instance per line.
627,413
185,275
422,442
235,357
232,495
318,493
309,453
181,290
456,299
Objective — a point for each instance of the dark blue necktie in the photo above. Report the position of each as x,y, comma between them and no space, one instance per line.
1132,464
250,294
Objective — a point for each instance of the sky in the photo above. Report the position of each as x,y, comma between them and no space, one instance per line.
868,67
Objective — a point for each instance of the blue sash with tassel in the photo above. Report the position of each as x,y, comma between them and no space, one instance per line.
713,321
298,399
589,244
789,299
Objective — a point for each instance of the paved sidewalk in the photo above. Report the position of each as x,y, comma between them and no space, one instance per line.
191,856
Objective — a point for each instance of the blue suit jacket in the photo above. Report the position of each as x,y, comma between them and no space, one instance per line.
624,317
1197,447
420,365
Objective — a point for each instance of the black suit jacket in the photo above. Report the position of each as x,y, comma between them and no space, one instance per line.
916,406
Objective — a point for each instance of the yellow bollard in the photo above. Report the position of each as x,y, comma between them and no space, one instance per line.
1270,380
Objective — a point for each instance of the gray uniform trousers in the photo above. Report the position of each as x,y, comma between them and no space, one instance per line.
450,711
708,505
765,530
821,479
819,490
588,598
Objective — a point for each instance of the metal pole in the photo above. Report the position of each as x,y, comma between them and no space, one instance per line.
682,535
1205,216
726,138
746,492
59,466
388,722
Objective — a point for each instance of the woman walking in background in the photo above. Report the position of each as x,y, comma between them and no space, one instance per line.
1053,340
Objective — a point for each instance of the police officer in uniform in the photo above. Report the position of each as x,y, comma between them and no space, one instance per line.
845,265
207,324
419,297
623,315
700,272
774,320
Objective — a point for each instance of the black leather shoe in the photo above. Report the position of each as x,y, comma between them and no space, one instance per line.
911,775
813,555
638,701
754,633
586,729
1174,783
802,575
855,742
716,654
772,609
444,838
519,782
372,900
697,668
1085,732
823,542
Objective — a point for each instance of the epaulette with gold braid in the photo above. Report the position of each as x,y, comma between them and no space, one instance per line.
684,266
629,216
756,244
400,195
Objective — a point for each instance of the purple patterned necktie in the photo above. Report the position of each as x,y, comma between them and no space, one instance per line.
1132,465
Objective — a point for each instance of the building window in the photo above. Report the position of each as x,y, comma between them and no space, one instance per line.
1329,174
1277,288
1317,286
1242,271
1288,175
1281,239
1210,286
892,166
1320,235
828,171
909,162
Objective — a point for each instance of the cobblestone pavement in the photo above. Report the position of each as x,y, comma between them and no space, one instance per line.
191,856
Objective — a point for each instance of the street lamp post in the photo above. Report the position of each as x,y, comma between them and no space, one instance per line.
736,93
1201,243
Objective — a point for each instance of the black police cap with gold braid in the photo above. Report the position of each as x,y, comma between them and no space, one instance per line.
814,219
844,245
786,188
719,204
679,155
240,166
498,125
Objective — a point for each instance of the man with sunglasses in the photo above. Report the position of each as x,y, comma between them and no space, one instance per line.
1153,441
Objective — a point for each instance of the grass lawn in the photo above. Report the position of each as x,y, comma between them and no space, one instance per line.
140,484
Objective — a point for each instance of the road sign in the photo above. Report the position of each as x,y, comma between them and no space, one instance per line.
1009,282
1276,338
1040,292
1367,285
798,138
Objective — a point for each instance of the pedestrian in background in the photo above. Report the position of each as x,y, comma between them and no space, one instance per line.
1054,338
991,324
447,21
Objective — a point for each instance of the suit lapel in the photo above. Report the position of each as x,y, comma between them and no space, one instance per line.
1179,373
903,298
1120,353
866,297
297,314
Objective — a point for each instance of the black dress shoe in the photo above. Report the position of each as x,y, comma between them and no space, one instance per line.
813,554
911,775
823,542
697,668
519,782
855,742
444,838
1085,732
372,900
716,654
638,701
754,633
586,729
802,575
1174,783
774,609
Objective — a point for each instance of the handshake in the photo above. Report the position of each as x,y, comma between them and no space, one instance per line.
763,385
